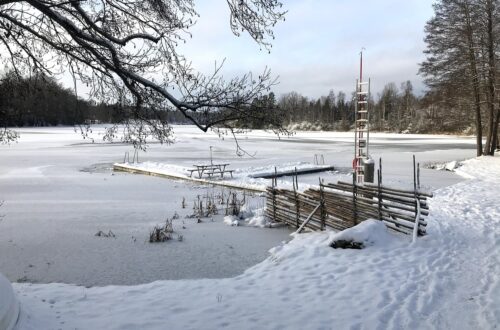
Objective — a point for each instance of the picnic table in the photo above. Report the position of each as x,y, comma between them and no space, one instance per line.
210,170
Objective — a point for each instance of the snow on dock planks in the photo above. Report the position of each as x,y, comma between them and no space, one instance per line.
293,172
131,169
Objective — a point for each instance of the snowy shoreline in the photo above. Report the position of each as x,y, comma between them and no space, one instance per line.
447,280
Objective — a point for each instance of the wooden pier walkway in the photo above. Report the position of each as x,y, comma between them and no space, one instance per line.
279,174
132,169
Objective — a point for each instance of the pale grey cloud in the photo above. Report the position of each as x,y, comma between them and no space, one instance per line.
316,48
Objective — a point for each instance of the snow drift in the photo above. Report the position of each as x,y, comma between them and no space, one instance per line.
9,306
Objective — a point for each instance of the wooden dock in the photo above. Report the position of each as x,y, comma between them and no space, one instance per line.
132,169
279,174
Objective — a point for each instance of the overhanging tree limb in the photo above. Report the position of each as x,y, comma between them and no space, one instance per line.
120,48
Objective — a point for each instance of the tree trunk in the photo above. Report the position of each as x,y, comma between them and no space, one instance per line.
475,81
489,148
496,124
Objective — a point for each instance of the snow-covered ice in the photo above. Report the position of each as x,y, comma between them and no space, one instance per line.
446,280
59,191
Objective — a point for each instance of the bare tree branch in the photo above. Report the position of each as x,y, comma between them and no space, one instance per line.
126,51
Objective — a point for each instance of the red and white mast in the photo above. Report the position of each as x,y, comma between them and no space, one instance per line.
362,127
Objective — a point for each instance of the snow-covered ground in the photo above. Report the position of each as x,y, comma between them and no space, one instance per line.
446,280
59,191
9,306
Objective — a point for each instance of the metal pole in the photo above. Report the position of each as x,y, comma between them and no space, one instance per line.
211,160
368,122
356,126
361,66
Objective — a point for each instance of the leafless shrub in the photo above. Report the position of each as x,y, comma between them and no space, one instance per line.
161,233
234,204
204,210
100,233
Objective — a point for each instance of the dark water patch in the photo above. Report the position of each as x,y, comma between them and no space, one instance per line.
98,168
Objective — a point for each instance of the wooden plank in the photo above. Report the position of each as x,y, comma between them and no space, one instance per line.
292,172
308,219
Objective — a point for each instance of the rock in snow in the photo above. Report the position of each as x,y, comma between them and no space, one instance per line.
366,233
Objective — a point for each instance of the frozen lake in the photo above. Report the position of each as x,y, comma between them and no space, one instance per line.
59,190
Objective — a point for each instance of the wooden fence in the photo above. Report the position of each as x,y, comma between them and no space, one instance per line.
342,205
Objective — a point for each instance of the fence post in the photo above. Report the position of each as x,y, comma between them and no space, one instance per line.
418,176
322,203
273,191
354,202
297,206
417,202
380,167
414,176
379,195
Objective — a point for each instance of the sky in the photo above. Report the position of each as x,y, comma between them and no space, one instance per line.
317,47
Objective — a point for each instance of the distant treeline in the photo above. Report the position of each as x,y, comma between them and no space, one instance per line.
395,109
42,101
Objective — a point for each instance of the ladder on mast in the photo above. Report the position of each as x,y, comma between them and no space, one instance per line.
362,125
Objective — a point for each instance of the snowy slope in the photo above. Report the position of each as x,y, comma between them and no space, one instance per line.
446,280
9,306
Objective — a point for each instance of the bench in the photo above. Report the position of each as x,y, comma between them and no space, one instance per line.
191,172
216,171
227,171
210,171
